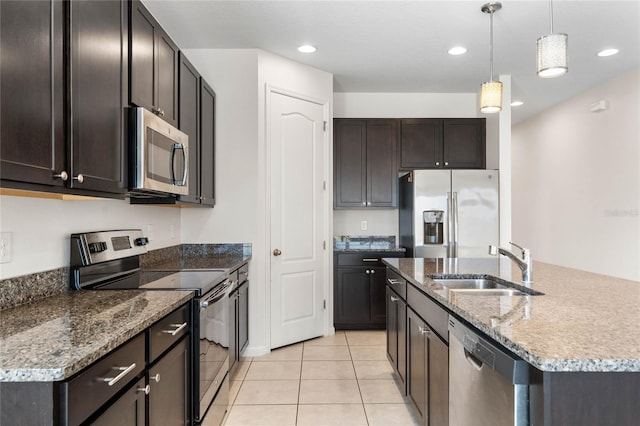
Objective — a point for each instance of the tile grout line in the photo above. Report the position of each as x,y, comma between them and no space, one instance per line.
357,380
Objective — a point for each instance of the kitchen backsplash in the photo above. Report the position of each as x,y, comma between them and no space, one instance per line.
364,242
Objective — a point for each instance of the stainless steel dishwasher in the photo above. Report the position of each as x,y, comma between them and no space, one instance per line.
487,385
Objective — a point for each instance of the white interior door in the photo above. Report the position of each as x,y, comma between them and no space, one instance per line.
296,146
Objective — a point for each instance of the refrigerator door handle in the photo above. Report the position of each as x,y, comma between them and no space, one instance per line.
449,225
454,204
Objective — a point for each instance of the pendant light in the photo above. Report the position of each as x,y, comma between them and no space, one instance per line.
552,52
491,91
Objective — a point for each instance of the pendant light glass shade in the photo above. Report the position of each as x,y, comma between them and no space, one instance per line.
551,52
491,97
491,91
552,55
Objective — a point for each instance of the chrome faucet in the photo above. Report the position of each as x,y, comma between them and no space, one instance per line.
524,263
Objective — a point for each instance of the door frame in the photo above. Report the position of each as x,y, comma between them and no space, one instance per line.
327,205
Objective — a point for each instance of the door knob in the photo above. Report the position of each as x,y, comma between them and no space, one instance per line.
277,252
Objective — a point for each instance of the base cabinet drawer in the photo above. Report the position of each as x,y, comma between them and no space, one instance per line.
168,331
103,380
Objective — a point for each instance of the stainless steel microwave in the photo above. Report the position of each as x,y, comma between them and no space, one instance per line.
160,155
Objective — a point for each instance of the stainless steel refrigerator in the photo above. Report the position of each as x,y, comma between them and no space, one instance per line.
449,213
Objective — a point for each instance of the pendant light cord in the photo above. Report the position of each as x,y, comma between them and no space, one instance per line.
551,15
491,47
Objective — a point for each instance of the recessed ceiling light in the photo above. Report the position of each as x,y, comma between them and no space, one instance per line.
517,103
457,50
607,52
306,48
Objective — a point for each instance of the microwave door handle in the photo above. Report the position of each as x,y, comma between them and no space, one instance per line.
174,148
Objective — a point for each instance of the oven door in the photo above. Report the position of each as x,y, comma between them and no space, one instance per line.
213,350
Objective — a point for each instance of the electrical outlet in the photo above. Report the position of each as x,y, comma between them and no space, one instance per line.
5,247
363,225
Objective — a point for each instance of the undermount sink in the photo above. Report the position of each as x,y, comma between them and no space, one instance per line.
484,287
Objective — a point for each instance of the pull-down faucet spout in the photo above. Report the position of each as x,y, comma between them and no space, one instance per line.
524,262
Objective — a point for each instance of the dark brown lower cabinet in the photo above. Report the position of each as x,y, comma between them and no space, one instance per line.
128,410
359,293
427,372
169,387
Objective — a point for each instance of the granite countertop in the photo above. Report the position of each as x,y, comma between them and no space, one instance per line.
54,338
360,243
188,257
583,322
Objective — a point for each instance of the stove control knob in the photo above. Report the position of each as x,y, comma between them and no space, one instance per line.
143,241
97,247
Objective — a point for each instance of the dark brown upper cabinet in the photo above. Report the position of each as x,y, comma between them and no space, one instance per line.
207,143
436,143
32,87
98,95
153,65
189,123
62,121
365,163
196,119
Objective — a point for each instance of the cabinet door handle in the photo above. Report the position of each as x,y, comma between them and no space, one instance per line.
393,281
155,378
62,175
179,328
437,163
125,370
424,330
373,271
79,178
366,271
394,298
145,389
369,260
446,163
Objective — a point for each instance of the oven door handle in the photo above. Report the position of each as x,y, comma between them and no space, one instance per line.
216,298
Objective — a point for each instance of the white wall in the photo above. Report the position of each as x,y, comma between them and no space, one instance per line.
576,181
41,227
239,78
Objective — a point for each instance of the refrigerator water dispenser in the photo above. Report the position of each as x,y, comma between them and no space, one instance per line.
433,226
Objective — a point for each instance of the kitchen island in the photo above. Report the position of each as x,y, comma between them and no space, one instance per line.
581,335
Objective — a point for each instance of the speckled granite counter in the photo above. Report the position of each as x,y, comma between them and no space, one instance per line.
360,243
197,256
583,322
53,338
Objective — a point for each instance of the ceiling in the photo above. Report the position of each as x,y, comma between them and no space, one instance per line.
401,46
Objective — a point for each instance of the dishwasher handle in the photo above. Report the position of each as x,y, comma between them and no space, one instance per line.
475,362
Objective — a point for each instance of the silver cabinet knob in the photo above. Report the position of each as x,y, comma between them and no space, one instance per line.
145,389
79,178
155,378
366,271
62,175
424,330
276,252
394,298
437,163
446,163
373,271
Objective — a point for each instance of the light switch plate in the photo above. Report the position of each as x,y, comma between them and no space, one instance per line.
5,247
363,225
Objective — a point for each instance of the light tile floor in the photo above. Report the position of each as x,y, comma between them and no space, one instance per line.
344,379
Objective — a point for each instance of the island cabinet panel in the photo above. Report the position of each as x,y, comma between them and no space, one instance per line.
365,163
591,398
397,335
128,410
449,143
154,65
169,396
32,87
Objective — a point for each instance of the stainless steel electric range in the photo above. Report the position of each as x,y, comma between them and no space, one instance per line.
111,260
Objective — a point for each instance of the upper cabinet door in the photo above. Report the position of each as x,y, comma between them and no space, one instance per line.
189,123
32,83
382,163
421,143
464,143
350,162
207,143
154,65
98,98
